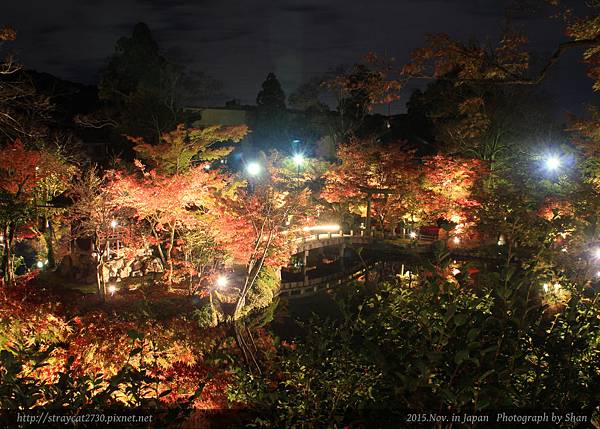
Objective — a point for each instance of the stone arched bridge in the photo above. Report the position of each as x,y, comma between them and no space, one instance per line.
410,242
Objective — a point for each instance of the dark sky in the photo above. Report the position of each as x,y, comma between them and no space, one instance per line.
239,42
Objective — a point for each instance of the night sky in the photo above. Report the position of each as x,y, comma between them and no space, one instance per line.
239,42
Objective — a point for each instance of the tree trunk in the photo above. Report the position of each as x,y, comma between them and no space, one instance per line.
49,236
368,222
100,280
7,258
169,259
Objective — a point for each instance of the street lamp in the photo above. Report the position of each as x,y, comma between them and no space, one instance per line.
221,281
253,169
299,161
553,163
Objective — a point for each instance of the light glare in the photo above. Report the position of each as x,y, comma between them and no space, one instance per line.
332,227
253,169
221,281
553,163
298,159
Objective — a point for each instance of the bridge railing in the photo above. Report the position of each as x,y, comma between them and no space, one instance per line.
361,232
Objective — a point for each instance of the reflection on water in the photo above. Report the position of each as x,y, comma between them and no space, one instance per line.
292,316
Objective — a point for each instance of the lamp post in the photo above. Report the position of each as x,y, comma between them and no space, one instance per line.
299,161
113,225
253,170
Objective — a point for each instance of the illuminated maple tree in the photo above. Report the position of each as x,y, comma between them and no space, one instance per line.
275,208
167,205
382,177
23,174
448,189
177,149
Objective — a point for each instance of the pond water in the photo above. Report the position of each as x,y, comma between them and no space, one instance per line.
293,314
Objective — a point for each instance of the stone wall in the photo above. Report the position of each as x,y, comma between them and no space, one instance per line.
81,266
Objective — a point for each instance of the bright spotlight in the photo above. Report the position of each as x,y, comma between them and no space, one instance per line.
456,240
40,264
114,223
221,281
112,289
412,234
298,159
553,163
253,168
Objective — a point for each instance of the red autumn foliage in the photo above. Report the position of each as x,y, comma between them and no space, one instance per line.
175,350
448,187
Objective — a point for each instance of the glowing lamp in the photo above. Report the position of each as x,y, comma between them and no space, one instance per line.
553,163
40,264
298,159
113,223
545,286
221,281
412,235
112,289
456,240
253,169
